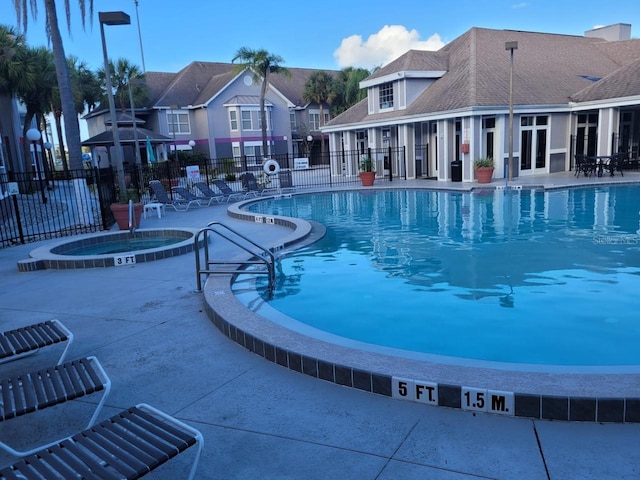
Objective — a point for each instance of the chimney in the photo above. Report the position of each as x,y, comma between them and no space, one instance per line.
611,33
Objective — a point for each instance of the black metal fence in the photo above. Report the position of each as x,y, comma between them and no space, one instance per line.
59,204
38,208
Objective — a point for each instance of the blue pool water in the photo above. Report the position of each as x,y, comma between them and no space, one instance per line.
520,276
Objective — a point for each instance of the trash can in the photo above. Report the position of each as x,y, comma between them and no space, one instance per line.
456,171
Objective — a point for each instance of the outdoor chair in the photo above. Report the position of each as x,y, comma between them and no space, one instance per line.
207,193
286,182
618,162
585,165
30,392
250,185
23,341
227,192
163,197
126,446
189,197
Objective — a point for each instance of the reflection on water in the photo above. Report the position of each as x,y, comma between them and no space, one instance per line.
423,269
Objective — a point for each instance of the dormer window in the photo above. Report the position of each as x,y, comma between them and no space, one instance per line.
386,95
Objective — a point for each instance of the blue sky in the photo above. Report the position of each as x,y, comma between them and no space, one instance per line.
324,35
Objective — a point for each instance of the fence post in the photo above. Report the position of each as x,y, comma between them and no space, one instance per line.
17,218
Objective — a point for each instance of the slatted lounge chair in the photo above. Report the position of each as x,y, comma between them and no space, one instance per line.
206,192
163,197
250,185
29,392
188,196
227,192
23,341
127,446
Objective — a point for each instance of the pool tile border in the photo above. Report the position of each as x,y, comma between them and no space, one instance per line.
572,408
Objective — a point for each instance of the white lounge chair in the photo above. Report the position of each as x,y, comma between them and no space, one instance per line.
31,392
23,341
126,446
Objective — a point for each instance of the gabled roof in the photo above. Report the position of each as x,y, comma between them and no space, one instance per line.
187,87
548,70
199,82
126,136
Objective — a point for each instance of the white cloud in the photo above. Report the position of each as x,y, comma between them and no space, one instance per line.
382,47
520,5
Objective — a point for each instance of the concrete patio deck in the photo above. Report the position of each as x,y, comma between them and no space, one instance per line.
149,330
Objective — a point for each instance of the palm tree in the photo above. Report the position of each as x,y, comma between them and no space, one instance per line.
86,93
319,89
347,89
12,47
261,64
37,96
72,128
121,74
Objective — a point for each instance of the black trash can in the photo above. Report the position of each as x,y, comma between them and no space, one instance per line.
456,171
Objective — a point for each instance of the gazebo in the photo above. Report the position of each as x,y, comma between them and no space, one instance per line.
102,143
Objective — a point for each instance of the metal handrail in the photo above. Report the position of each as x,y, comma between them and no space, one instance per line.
259,255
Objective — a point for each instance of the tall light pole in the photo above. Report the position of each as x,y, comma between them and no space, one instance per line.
113,18
510,46
135,123
135,2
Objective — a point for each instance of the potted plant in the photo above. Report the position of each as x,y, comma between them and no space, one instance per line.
120,209
367,171
484,169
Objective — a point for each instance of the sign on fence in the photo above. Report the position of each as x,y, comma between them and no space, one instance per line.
300,163
193,172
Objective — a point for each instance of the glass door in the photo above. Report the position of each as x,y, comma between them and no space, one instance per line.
533,144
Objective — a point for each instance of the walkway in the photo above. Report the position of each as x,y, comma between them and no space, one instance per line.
259,420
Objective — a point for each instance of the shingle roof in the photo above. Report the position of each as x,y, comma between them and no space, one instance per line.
198,82
548,69
624,82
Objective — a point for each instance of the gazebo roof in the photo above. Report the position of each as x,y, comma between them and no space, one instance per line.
126,137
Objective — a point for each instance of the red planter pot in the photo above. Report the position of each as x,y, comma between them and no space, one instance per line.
121,214
484,174
367,178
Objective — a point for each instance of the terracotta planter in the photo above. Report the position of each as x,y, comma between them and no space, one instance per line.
121,214
367,178
484,174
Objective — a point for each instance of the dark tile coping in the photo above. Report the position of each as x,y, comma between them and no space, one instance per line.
53,256
583,397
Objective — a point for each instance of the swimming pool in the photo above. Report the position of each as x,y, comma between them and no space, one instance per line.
528,277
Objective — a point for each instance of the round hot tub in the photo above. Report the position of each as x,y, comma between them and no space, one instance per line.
111,249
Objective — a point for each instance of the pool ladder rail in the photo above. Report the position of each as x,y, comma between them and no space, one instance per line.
261,260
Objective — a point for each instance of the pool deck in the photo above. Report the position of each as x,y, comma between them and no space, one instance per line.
259,420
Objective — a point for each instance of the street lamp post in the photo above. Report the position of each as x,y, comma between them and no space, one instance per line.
510,46
135,124
113,18
34,136
135,2
48,158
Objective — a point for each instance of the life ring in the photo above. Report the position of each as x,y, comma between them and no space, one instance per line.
271,167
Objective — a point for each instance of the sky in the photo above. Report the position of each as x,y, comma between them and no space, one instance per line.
328,35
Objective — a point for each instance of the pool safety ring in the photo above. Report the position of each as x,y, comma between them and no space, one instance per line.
271,167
